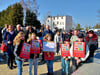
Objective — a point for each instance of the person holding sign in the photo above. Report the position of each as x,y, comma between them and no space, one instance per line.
49,57
77,60
65,61
33,57
18,43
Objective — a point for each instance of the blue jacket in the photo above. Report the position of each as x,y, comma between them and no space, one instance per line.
9,37
47,32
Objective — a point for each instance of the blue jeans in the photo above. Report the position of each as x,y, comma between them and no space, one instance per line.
19,65
31,62
50,66
65,66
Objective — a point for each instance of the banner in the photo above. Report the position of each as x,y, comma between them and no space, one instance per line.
25,51
79,49
36,46
65,49
48,46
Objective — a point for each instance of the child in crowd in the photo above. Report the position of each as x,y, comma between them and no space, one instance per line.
18,43
49,57
57,40
76,60
33,57
65,61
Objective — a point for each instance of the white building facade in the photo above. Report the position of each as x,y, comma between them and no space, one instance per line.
61,22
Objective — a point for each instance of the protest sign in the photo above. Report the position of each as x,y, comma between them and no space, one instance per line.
65,49
79,49
48,46
36,46
25,51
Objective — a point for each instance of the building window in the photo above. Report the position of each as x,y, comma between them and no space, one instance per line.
54,18
62,17
60,23
57,22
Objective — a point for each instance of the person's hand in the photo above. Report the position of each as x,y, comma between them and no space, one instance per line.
44,39
78,61
23,60
2,42
66,59
76,58
35,56
48,54
19,58
9,42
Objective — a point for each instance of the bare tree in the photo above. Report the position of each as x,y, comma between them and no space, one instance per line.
44,19
98,17
31,5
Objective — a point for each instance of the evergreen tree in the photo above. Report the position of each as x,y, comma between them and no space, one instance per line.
17,14
12,15
31,19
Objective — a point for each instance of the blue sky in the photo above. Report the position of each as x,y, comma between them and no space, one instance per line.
82,11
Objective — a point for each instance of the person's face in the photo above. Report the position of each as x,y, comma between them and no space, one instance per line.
33,36
19,27
30,30
49,38
75,32
6,26
90,35
66,42
64,32
58,33
47,27
23,37
86,31
80,39
10,28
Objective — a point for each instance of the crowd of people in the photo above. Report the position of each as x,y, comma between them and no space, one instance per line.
14,38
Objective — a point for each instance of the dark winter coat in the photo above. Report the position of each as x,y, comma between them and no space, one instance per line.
9,37
92,44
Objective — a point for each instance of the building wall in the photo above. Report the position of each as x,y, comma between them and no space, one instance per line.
61,22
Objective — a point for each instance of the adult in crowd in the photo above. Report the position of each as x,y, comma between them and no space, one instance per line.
57,40
55,31
35,30
48,31
4,29
74,36
31,30
9,36
40,35
18,29
27,32
92,41
66,36
0,35
86,33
